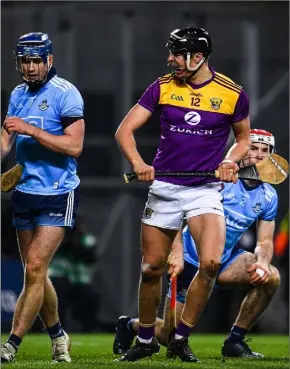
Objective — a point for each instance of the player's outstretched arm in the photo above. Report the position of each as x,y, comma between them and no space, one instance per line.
135,119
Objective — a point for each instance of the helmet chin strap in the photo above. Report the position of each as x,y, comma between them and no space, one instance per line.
196,68
193,70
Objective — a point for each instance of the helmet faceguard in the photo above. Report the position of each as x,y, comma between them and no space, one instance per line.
259,136
33,47
187,41
262,136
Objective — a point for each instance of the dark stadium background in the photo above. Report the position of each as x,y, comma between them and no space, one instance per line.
112,51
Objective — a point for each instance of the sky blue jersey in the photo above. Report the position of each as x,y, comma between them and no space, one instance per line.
46,172
243,205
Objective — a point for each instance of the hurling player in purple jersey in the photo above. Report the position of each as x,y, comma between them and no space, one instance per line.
197,107
245,203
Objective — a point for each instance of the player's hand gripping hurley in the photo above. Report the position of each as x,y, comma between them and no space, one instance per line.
273,170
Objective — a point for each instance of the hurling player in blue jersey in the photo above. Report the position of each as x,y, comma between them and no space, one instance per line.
244,203
45,117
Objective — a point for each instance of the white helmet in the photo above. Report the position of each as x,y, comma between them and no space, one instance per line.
262,136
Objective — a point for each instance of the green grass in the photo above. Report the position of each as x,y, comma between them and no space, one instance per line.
94,351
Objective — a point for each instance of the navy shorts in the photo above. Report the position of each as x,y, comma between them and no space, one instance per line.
186,276
30,211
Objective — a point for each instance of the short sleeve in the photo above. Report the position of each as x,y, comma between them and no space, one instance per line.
71,104
150,99
10,109
242,108
271,210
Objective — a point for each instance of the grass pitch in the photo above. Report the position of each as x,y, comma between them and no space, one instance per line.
93,351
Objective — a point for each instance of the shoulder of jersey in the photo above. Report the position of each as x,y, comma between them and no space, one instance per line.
20,87
227,83
166,78
270,191
61,84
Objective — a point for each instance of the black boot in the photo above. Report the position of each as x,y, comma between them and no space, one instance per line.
124,336
141,350
181,349
239,349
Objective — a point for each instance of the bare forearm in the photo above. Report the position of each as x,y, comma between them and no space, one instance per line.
238,151
264,253
127,145
6,143
177,245
63,144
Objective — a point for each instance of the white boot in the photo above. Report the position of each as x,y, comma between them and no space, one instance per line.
61,348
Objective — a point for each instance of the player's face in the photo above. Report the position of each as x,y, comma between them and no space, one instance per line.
257,152
177,63
33,68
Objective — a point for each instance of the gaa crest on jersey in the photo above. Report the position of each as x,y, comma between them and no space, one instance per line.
43,106
257,208
215,103
148,213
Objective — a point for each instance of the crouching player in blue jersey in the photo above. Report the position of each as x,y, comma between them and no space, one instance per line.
45,116
244,203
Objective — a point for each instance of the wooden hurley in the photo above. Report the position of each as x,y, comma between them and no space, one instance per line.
273,170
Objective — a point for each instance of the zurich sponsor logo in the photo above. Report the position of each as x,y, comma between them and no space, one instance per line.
192,118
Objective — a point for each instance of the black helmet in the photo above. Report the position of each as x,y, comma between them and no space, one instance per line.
190,40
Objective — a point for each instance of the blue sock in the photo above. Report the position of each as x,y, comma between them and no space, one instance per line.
237,334
14,341
55,331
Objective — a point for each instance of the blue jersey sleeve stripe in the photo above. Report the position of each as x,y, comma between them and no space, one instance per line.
55,85
60,83
63,82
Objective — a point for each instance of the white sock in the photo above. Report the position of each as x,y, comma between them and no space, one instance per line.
144,341
177,337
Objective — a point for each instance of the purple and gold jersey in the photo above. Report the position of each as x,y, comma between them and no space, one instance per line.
195,123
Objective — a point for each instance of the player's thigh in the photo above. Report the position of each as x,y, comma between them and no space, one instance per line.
24,238
163,209
236,273
44,244
156,244
208,232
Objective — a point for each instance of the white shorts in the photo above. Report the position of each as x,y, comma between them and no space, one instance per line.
168,204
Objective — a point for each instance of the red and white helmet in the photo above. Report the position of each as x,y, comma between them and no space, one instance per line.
262,136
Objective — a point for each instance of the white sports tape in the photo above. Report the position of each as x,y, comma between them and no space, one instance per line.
260,272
